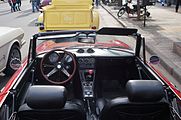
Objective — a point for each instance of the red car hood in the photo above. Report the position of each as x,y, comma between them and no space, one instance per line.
52,45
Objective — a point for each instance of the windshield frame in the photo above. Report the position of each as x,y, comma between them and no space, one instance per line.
104,31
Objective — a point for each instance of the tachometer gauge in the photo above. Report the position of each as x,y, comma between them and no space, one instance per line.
53,58
68,59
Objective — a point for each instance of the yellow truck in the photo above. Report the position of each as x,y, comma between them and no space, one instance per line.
68,15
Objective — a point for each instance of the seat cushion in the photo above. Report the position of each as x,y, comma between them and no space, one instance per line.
45,102
144,101
123,109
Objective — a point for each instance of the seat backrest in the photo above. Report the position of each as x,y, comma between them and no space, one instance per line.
49,103
145,101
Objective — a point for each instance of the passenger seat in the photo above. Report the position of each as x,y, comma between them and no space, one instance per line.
145,101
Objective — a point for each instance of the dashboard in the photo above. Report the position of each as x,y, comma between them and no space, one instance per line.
99,64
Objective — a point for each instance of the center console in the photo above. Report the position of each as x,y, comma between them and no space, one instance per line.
87,76
87,71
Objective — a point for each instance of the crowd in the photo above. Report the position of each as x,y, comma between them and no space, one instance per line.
16,4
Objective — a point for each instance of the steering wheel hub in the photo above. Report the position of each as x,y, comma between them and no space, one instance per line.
59,66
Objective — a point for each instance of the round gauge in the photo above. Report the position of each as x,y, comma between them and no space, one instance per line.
53,57
68,59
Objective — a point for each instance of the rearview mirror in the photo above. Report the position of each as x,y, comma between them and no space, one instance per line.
154,60
86,40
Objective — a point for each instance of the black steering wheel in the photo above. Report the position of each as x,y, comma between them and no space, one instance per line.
58,66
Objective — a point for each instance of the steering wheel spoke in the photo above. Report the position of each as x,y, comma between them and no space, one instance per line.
52,72
65,72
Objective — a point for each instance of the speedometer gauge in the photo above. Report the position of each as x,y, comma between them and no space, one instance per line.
53,58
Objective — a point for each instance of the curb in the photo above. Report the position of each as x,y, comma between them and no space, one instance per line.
122,23
170,67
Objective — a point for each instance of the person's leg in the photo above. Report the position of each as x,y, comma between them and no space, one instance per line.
97,3
33,6
37,6
14,7
162,2
177,5
18,6
10,4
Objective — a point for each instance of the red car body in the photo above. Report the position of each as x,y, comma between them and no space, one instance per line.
113,54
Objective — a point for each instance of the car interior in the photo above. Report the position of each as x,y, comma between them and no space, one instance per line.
91,86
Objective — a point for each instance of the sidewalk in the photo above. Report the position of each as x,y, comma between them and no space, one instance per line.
162,29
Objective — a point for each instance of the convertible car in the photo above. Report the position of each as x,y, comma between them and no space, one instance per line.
89,75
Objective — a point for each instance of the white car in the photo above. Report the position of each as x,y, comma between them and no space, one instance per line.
10,44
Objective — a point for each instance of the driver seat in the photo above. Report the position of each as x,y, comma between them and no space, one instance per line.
45,102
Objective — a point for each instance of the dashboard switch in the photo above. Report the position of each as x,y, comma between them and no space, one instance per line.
90,72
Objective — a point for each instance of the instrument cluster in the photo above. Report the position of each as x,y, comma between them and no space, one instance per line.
53,58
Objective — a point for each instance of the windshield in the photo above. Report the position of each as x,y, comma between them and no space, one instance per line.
80,40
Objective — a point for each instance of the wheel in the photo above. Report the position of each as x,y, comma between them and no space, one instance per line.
14,53
121,12
58,66
148,14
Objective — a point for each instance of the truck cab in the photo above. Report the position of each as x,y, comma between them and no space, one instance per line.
68,15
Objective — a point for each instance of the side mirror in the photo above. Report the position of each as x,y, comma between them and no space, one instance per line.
154,60
15,63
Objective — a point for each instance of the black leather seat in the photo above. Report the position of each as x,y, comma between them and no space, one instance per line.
49,103
145,101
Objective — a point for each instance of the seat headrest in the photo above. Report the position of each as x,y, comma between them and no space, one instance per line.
46,97
144,90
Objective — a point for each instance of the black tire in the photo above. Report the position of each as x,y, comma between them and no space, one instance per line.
121,12
148,14
14,50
